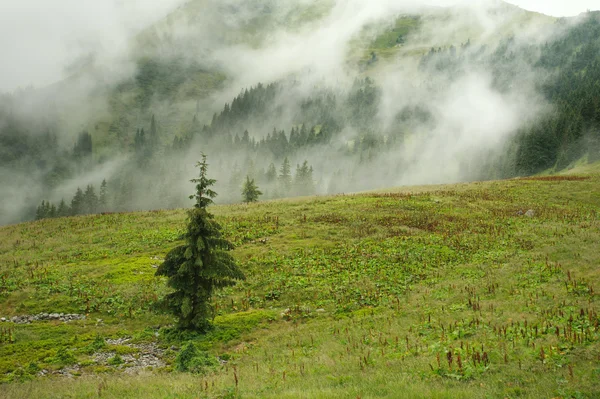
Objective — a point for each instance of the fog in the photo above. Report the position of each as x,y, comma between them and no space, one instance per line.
52,35
89,59
55,35
557,8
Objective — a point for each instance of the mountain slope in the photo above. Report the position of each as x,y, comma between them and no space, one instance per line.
362,295
388,96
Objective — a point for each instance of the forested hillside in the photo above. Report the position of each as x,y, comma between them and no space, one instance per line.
492,106
407,205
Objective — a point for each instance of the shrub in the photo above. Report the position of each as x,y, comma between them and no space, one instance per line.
63,357
115,360
192,360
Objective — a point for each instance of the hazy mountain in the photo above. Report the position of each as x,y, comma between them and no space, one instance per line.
369,94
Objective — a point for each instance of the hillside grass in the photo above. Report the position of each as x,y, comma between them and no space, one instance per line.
436,291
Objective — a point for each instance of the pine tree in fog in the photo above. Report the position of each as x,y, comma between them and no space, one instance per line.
250,192
200,266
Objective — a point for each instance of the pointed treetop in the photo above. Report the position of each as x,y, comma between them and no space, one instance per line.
204,195
250,191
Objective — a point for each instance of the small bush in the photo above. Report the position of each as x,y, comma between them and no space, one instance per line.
95,345
192,360
116,360
33,368
63,357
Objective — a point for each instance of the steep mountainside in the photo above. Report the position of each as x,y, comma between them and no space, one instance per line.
355,97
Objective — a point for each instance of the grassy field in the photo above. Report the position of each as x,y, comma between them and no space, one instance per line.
440,291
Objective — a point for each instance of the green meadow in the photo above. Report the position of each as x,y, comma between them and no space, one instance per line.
479,290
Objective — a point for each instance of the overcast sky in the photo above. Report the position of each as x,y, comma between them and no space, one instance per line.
39,38
558,8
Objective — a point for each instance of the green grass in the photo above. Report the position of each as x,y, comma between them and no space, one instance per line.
369,295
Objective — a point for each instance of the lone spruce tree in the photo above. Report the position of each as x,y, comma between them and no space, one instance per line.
200,266
250,191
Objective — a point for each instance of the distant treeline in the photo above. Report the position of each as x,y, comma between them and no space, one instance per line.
569,68
83,203
88,202
334,125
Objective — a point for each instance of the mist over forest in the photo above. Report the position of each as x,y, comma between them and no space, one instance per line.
305,97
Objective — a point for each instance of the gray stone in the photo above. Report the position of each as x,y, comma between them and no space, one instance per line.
23,319
3,319
530,213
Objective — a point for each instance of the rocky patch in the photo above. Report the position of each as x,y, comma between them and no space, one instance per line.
149,355
27,319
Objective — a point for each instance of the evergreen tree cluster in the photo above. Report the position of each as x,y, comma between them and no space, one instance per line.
83,147
569,77
321,115
256,103
278,144
224,131
83,203
267,129
304,183
159,78
282,182
573,131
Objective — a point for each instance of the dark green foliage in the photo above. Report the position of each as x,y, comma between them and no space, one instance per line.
204,194
569,78
256,103
83,203
47,210
200,266
43,211
22,145
303,181
363,103
285,176
573,88
33,368
63,210
96,345
160,77
77,205
103,198
153,135
116,360
90,200
191,359
139,142
271,174
566,72
319,110
83,147
250,192
63,357
145,145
